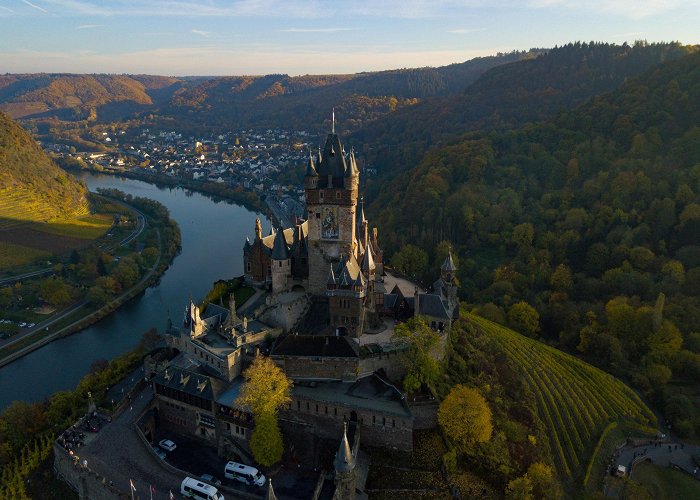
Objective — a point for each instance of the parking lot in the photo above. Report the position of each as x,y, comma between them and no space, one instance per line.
117,452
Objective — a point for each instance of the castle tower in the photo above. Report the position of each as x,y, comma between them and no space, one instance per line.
448,270
331,187
344,464
280,263
270,495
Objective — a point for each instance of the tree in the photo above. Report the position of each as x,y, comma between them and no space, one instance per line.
542,478
519,489
419,357
55,291
524,318
266,388
411,261
266,441
465,416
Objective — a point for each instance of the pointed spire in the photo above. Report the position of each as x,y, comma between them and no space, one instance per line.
258,228
270,492
352,170
333,121
279,248
311,168
449,264
344,460
331,277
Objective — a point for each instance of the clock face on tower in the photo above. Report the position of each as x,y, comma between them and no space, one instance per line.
329,223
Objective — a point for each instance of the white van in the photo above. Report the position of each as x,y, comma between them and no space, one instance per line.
244,474
196,489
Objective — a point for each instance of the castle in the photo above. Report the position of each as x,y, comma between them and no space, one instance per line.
329,268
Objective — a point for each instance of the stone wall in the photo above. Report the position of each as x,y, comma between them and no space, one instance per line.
283,310
326,421
424,413
319,368
391,362
87,483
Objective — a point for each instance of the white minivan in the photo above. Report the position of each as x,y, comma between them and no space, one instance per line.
196,489
244,474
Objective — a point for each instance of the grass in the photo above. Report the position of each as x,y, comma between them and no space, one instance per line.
663,483
88,227
575,400
16,255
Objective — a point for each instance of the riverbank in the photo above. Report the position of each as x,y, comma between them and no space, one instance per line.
76,317
248,199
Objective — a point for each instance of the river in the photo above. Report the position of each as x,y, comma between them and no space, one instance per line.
213,233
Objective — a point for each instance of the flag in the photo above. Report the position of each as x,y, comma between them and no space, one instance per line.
131,483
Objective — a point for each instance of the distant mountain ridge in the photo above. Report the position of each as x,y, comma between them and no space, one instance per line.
32,186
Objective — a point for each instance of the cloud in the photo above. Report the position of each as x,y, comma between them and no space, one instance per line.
634,34
88,26
466,31
5,9
36,6
200,32
316,30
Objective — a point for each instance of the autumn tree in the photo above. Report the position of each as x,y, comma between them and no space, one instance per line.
264,392
411,261
465,416
419,356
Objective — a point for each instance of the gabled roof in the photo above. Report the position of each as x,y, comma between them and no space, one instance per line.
190,382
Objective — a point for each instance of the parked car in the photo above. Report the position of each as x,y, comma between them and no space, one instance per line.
167,445
210,479
159,451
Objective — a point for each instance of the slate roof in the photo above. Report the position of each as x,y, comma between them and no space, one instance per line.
449,264
316,346
432,305
191,382
280,251
332,163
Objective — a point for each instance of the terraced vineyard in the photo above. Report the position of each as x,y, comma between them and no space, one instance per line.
574,399
19,207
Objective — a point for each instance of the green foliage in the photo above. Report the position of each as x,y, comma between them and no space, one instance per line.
420,357
266,441
524,318
410,261
14,476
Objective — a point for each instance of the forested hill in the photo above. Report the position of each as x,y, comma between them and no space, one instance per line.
509,95
303,102
32,186
203,104
588,223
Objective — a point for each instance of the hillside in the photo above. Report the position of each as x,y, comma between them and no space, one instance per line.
591,220
75,97
547,406
509,95
32,186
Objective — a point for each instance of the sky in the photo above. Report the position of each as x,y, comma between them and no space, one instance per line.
297,37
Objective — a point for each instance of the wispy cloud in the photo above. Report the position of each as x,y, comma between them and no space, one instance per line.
634,34
88,26
200,32
35,6
5,9
316,30
466,31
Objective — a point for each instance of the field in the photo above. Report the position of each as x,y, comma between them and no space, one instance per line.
15,255
26,241
662,483
575,400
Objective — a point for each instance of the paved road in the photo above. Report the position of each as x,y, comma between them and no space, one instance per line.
662,454
20,277
118,454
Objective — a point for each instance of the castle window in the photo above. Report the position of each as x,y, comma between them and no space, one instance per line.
280,263
321,194
308,407
298,405
337,195
335,411
318,215
374,419
248,266
383,420
393,422
326,410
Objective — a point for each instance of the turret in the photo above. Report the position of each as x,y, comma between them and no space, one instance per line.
344,464
311,177
281,263
270,495
352,174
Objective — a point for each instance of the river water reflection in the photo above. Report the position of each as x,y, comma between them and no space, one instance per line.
213,233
